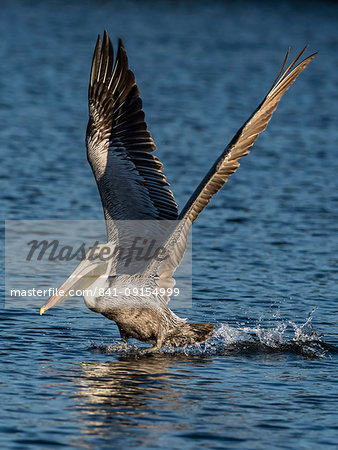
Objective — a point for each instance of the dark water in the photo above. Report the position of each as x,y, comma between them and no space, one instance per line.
265,250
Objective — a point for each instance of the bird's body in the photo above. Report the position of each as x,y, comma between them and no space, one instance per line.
158,326
135,191
142,316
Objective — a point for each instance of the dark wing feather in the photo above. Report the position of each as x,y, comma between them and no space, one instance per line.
119,145
239,146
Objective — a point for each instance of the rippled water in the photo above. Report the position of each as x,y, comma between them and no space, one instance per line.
265,250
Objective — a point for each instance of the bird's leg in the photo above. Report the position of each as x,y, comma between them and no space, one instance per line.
157,346
124,340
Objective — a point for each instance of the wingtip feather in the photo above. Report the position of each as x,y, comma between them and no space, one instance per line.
95,61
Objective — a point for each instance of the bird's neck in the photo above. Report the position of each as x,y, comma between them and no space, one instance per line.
96,289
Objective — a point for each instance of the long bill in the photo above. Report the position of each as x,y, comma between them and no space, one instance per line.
85,274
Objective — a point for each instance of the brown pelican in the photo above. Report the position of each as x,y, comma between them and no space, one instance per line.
133,188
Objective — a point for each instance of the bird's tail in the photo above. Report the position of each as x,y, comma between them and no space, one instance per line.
189,334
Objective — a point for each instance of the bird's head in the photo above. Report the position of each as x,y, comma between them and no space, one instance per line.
95,265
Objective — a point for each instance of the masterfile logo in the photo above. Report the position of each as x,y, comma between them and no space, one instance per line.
40,255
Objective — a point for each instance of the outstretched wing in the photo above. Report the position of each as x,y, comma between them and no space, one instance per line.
225,166
119,146
245,137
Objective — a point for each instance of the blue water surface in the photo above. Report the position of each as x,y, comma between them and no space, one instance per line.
265,251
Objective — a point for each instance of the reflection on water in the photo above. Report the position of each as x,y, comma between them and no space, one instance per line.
126,385
115,398
146,399
182,397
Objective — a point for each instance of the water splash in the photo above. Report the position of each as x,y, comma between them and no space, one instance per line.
285,337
